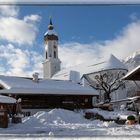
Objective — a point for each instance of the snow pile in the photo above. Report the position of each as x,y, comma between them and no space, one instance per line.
112,114
62,117
57,122
60,122
55,116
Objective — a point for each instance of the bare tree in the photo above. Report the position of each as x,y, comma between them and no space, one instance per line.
106,81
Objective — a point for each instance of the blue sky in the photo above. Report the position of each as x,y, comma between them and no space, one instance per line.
83,23
85,33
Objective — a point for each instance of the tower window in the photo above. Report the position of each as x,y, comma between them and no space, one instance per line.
54,46
46,55
54,54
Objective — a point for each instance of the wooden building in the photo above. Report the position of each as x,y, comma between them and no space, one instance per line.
47,94
6,102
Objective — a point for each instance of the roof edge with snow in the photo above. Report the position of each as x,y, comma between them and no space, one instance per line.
130,75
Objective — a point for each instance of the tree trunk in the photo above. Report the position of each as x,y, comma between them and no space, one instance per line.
107,97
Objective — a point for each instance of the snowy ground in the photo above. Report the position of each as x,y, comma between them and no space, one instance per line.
63,123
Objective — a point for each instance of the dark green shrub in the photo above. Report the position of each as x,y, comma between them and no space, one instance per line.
130,117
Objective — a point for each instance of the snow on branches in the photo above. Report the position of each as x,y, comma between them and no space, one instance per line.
106,81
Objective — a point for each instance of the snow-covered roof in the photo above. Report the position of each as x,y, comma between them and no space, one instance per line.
7,100
27,86
133,75
111,63
50,32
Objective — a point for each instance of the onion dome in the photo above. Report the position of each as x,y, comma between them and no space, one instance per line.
50,26
50,34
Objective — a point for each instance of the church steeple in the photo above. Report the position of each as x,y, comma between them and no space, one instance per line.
50,34
51,21
50,26
52,63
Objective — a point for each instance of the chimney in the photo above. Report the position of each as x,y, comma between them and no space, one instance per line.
35,77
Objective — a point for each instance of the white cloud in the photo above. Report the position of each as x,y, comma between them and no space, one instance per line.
17,31
14,60
127,42
6,10
19,62
76,53
32,18
134,16
36,62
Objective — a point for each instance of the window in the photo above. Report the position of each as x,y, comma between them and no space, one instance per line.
54,54
46,55
54,47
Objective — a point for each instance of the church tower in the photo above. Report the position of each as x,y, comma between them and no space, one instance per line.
51,65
